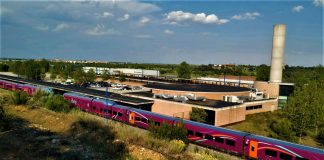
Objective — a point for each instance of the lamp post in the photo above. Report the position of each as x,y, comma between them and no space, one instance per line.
107,103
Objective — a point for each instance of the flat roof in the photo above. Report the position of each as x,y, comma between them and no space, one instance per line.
69,88
207,103
197,87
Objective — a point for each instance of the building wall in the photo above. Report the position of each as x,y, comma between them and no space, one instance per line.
170,108
271,88
229,115
269,105
208,95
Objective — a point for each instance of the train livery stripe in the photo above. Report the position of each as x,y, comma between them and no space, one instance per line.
276,149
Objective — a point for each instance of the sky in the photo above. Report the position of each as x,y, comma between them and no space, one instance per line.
199,32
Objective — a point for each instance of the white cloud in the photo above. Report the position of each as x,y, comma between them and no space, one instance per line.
124,18
168,31
145,36
60,27
297,8
177,16
101,30
318,2
144,20
42,27
246,16
136,7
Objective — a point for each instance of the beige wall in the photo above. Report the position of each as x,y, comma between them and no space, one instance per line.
208,95
271,88
269,105
173,109
229,115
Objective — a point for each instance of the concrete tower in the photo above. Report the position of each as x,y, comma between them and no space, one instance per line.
277,56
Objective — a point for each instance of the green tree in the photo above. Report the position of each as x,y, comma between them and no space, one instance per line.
305,108
184,70
105,75
122,78
90,76
263,73
170,132
198,115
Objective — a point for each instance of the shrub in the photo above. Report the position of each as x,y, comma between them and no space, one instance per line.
176,146
19,98
57,103
283,129
3,119
320,136
198,115
167,131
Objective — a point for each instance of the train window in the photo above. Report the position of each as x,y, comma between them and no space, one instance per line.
114,113
252,148
105,110
109,111
209,137
299,158
137,119
219,140
198,134
119,114
101,109
190,132
94,108
144,120
230,142
284,156
271,153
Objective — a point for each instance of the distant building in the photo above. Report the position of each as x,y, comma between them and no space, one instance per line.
125,71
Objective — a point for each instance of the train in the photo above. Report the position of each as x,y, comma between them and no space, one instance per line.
241,143
28,88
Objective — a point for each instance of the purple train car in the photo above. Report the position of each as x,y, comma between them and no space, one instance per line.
273,149
10,85
143,118
29,89
242,143
215,137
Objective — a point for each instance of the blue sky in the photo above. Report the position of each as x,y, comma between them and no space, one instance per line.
162,31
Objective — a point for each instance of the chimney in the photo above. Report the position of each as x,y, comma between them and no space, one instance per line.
277,56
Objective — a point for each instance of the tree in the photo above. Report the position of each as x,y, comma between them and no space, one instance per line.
105,75
90,76
305,108
184,70
198,115
122,78
263,72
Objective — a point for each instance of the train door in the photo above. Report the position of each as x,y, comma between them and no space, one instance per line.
253,150
131,117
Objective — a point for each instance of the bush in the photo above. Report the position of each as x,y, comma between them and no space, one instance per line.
3,120
320,136
176,146
167,131
198,115
19,98
57,103
283,129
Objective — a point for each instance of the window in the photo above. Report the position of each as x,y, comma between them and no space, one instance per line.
253,107
109,111
252,148
157,123
299,158
114,113
144,120
137,119
119,114
271,153
190,132
94,108
105,110
198,134
209,137
230,142
284,156
219,140
100,109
